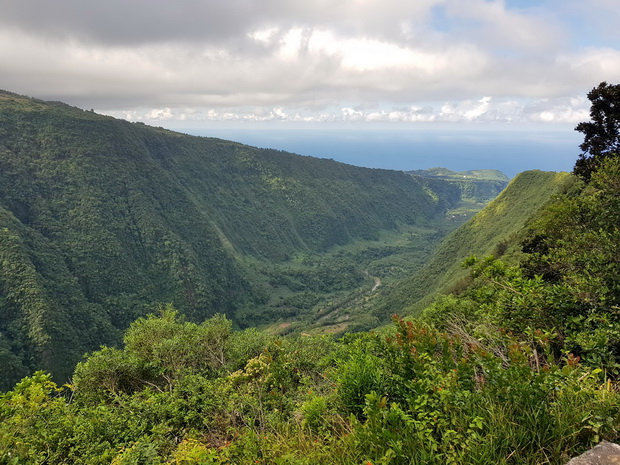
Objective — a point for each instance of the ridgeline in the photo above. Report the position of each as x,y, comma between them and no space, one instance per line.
103,220
515,361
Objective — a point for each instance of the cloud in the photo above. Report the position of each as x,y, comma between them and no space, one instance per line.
593,65
484,110
276,60
119,22
492,24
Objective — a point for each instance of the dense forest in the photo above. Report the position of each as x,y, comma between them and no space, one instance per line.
515,363
102,220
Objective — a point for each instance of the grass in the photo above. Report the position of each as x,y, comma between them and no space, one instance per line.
367,264
491,231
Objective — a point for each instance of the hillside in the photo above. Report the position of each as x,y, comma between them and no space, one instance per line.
471,175
518,364
102,220
519,367
491,231
476,188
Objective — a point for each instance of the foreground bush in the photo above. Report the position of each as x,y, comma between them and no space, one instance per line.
418,395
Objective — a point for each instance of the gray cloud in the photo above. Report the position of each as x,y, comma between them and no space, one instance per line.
136,22
325,60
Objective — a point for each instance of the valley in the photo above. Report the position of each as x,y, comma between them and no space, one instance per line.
173,299
104,221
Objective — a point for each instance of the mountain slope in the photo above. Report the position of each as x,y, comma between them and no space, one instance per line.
102,219
476,188
493,230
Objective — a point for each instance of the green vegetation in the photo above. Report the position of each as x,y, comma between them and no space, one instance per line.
471,175
332,292
518,364
102,220
494,230
180,392
475,188
602,134
475,185
562,293
519,367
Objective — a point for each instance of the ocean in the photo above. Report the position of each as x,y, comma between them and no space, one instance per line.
510,150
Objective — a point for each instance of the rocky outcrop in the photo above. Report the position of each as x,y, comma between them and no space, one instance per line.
606,453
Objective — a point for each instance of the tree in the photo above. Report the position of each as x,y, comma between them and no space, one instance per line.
602,133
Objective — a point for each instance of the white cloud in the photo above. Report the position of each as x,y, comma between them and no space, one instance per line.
163,114
564,110
484,110
283,60
593,65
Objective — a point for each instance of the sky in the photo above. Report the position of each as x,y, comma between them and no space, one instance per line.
379,83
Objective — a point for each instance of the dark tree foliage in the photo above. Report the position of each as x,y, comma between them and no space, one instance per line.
101,220
601,135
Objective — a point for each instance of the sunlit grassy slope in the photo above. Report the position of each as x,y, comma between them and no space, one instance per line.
494,230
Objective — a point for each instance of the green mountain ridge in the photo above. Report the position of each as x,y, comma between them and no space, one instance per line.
518,361
477,187
494,230
102,220
480,175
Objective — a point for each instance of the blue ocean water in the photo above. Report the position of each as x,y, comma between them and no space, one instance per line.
465,148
